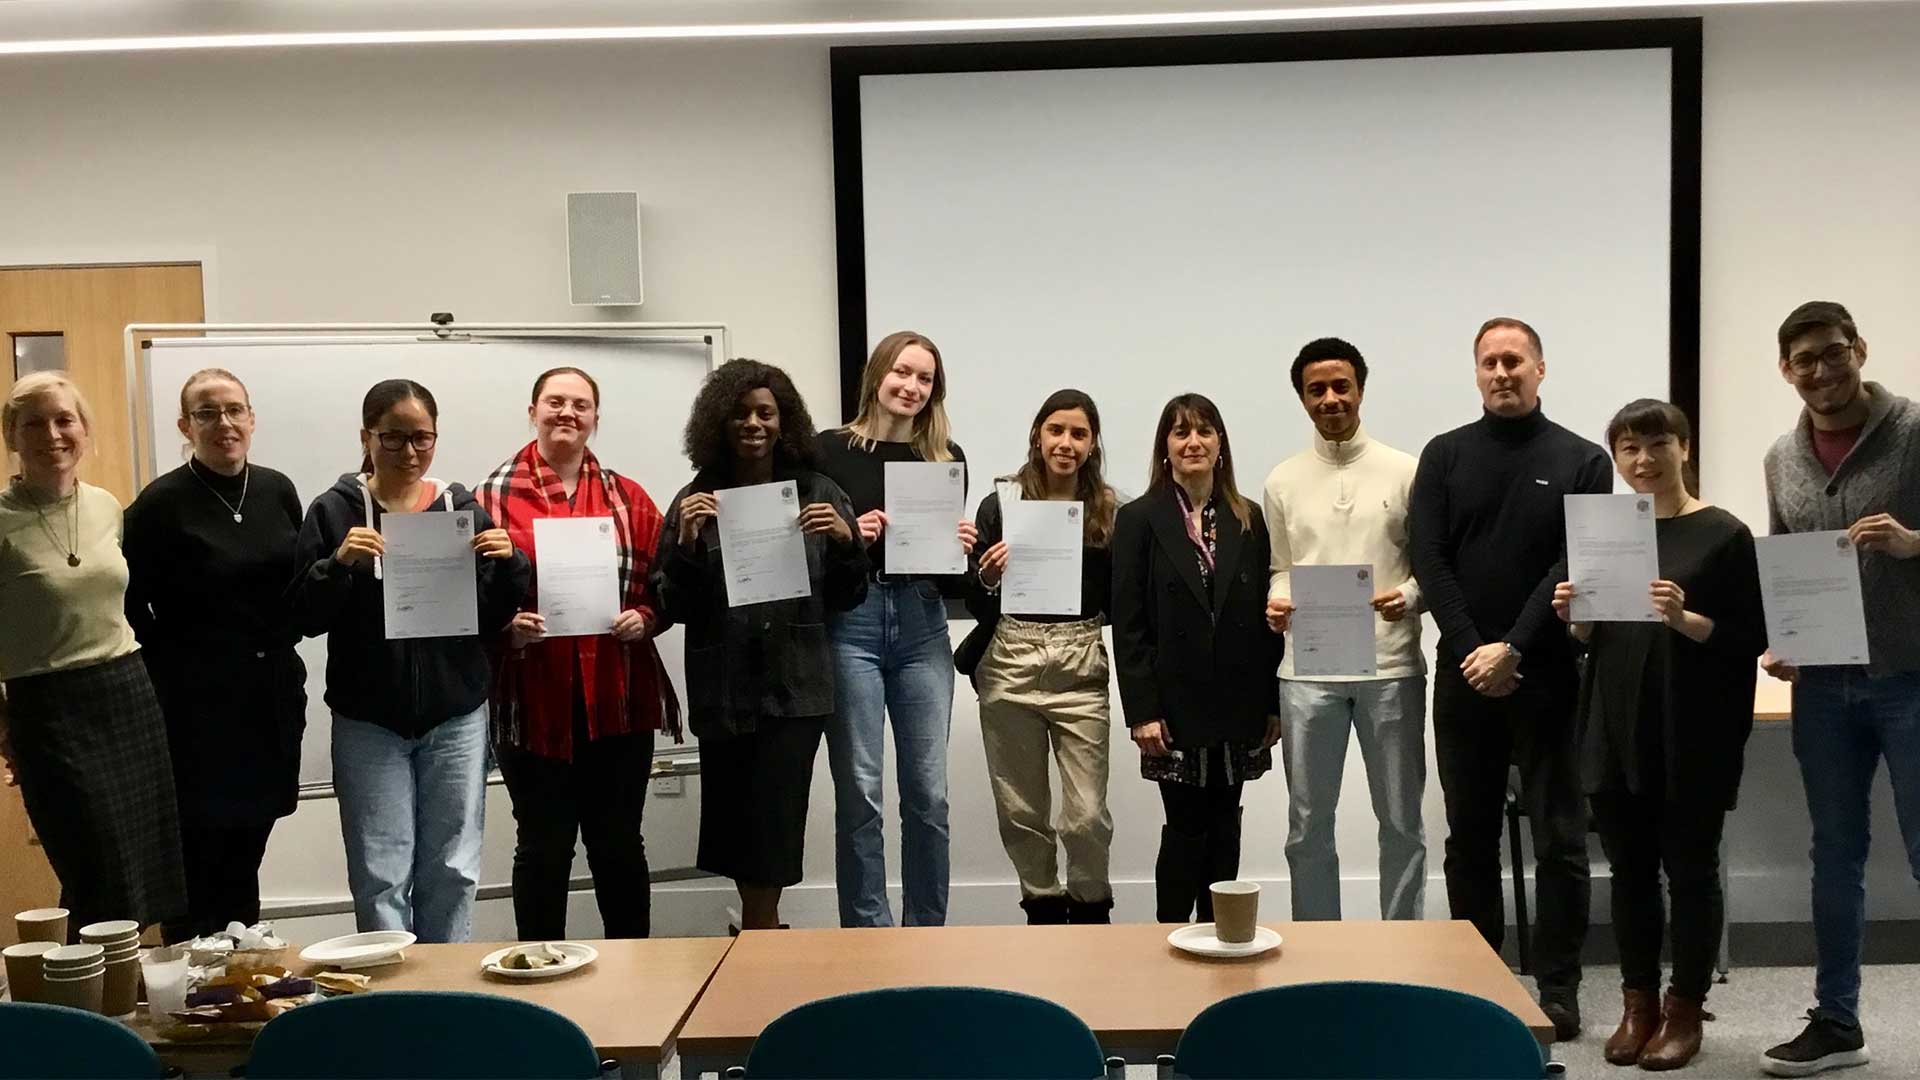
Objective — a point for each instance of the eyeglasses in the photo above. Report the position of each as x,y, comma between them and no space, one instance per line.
397,440
209,415
1835,357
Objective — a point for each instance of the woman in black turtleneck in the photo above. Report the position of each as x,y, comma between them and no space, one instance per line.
209,552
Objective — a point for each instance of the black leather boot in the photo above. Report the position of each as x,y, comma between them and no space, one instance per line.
1179,877
1045,910
1089,912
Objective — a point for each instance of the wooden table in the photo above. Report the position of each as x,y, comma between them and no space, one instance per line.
1134,990
631,1001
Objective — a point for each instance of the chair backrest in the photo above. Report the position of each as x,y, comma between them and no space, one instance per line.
56,1042
928,1033
422,1035
1354,1030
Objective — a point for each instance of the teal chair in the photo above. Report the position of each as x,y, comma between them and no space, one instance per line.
1358,1031
54,1042
928,1033
422,1035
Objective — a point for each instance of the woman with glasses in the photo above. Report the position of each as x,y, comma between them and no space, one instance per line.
209,551
80,730
574,716
409,713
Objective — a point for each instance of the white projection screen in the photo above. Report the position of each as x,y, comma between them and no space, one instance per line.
1139,219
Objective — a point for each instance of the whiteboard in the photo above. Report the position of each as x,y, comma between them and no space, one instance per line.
306,394
1138,232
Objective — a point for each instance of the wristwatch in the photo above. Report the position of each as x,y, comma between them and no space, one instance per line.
1513,654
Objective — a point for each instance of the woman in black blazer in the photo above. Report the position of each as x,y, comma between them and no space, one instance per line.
1197,663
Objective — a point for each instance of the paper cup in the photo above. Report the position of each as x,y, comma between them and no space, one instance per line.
69,957
42,924
104,933
121,990
80,993
1236,908
24,969
165,973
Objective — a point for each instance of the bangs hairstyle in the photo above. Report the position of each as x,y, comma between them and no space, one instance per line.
1817,315
706,441
211,374
32,388
931,431
1090,484
1195,410
1649,418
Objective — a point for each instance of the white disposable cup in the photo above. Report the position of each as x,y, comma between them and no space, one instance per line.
165,972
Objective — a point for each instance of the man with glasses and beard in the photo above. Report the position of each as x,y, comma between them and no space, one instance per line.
1851,463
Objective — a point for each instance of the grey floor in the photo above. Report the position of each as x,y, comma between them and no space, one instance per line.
1756,1008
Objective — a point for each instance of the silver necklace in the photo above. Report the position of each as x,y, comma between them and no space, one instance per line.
72,548
246,477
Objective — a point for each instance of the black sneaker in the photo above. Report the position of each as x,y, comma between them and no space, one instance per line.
1563,1009
1823,1045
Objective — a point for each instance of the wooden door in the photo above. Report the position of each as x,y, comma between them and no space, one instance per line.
75,318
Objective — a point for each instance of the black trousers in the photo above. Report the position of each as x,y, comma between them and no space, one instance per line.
1644,836
598,797
1199,845
1476,740
222,864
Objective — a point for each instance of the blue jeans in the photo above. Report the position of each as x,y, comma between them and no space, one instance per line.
1843,723
412,812
1390,718
892,659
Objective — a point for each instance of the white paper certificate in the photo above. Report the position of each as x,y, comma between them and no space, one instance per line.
925,502
761,549
428,581
578,583
1043,557
1810,586
1333,620
1613,557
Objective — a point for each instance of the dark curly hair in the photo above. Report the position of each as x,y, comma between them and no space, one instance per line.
707,444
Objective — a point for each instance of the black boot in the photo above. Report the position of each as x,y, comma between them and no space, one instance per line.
1178,877
1046,910
1219,861
1089,912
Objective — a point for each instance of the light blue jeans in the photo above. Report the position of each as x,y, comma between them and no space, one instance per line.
1390,718
1844,723
412,812
892,660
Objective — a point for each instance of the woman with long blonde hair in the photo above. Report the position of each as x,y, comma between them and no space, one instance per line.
891,653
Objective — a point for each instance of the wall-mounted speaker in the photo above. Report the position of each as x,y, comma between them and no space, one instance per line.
603,248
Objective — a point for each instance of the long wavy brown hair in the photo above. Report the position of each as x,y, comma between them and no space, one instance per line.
1090,484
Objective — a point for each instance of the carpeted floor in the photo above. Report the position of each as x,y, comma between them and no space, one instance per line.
1756,1008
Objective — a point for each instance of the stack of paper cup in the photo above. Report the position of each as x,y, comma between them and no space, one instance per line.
42,924
120,942
75,976
24,972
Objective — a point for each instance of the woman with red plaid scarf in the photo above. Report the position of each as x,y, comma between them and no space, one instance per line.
574,717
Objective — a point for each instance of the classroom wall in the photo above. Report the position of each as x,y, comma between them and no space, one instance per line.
382,184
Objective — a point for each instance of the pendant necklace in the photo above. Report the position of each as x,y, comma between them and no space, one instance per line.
246,477
72,548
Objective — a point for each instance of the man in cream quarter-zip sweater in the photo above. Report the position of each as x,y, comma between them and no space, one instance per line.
1340,503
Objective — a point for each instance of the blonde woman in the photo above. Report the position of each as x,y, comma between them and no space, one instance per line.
892,656
80,728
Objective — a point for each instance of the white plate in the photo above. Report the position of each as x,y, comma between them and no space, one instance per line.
359,950
577,957
1199,940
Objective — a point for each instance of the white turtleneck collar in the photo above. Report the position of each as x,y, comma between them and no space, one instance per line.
1341,453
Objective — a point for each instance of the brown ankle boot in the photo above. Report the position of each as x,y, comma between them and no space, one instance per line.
1678,1039
1638,1020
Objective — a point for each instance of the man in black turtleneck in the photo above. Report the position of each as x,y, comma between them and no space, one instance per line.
1487,526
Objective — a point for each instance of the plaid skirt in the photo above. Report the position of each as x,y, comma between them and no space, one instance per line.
91,753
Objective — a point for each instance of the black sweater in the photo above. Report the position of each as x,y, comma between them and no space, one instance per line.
412,685
1487,526
206,597
862,474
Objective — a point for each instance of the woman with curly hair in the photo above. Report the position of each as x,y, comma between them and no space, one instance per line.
759,676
